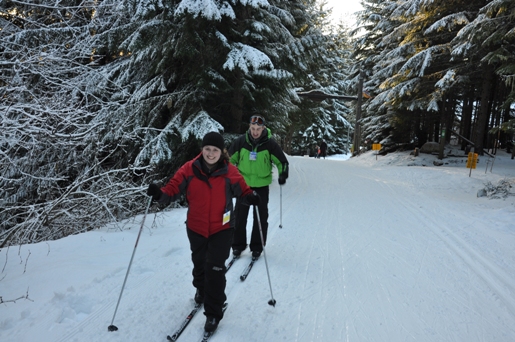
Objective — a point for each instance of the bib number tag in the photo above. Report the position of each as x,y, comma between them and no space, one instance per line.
253,156
227,217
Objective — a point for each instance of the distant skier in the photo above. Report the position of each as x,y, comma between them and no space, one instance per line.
323,149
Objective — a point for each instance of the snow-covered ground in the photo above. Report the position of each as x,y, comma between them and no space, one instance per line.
373,248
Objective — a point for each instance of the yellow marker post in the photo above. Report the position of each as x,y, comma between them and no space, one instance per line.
376,147
471,161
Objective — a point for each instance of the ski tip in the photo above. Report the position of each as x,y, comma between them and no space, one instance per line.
207,335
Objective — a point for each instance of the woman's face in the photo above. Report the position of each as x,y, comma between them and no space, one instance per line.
211,154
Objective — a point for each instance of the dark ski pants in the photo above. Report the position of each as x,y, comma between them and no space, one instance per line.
241,213
209,256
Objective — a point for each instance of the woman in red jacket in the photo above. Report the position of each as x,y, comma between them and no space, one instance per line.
209,182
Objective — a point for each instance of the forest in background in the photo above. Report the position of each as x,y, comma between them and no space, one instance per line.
99,98
438,70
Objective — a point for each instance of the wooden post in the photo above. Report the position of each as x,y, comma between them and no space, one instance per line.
357,128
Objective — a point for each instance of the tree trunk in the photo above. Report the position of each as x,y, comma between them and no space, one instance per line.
237,104
466,116
482,119
444,118
236,124
451,116
436,130
287,140
428,123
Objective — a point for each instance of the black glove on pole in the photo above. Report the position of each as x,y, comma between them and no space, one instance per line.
253,198
155,191
283,175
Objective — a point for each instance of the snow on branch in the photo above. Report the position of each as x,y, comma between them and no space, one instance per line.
198,125
63,162
209,9
285,16
447,81
448,23
247,58
420,61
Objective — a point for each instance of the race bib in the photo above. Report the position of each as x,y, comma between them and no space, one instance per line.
227,217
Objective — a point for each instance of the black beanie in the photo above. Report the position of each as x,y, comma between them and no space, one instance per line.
214,139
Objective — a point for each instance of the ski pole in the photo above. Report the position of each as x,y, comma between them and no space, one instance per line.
113,327
271,301
281,206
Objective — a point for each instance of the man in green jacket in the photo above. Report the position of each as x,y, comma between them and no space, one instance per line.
254,153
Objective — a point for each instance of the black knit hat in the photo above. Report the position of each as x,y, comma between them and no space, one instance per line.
214,139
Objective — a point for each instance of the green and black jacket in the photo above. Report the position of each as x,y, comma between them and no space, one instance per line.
258,172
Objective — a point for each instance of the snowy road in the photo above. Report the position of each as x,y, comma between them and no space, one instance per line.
367,252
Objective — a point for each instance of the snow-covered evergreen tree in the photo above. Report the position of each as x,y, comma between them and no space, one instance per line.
57,176
424,90
100,95
209,65
330,119
373,48
485,48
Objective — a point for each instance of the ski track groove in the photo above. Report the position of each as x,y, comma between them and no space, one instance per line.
501,287
292,198
317,264
306,286
472,258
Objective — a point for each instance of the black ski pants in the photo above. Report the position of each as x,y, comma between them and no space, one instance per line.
209,256
241,213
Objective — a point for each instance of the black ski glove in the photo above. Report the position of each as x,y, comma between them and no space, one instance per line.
282,179
155,191
253,198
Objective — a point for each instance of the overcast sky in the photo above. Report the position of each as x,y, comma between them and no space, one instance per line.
344,8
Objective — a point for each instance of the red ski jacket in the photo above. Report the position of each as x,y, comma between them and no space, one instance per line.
209,196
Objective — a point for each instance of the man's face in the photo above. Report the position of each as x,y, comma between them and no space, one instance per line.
256,130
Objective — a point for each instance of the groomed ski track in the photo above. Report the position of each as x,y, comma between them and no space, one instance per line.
365,254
